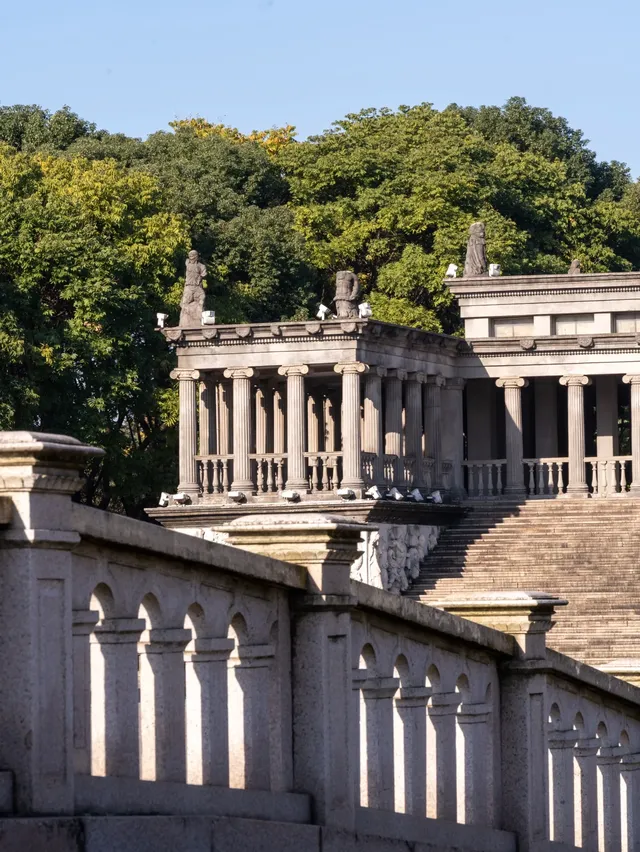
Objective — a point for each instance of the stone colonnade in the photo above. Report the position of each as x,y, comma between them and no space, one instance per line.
575,384
379,426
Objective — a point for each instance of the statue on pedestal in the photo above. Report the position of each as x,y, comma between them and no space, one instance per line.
575,268
476,260
347,293
192,303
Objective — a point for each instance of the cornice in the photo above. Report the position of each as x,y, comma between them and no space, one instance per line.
532,285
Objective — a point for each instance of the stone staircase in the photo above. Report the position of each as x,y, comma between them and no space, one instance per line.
584,550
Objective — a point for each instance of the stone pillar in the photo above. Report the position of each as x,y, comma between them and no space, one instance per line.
241,376
314,419
330,423
546,417
262,420
84,622
474,805
586,793
562,774
207,417
606,416
162,705
351,446
432,425
187,431
513,432
373,426
114,705
279,421
296,462
378,695
634,382
441,749
413,425
481,425
452,435
393,421
575,401
38,475
223,418
207,711
411,708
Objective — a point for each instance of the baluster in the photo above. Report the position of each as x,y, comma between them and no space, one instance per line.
314,474
623,476
541,467
560,478
475,479
603,479
325,473
487,480
215,478
596,480
225,475
532,480
499,478
335,473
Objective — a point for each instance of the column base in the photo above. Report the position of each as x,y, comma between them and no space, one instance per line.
297,485
515,490
634,489
190,488
245,485
356,485
581,490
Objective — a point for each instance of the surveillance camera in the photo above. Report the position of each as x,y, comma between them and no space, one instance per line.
452,269
416,495
364,310
181,498
290,496
346,493
161,319
323,312
208,318
374,493
165,497
394,494
237,496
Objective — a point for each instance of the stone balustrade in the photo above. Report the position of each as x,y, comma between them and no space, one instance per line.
161,673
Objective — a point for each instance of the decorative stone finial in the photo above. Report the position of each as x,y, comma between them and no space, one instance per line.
475,263
347,293
575,268
192,303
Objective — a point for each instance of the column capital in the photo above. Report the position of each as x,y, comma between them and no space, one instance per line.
293,370
568,381
512,382
241,373
455,383
631,379
185,375
380,372
397,374
437,380
418,377
351,367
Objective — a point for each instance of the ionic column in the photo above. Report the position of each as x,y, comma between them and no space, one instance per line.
432,420
413,424
330,422
393,421
351,445
575,407
241,427
187,431
279,421
296,463
114,705
513,432
452,437
223,411
262,420
314,417
634,382
207,417
373,434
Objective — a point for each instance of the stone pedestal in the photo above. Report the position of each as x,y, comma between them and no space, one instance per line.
242,377
187,431
296,462
513,432
351,439
575,408
634,382
40,472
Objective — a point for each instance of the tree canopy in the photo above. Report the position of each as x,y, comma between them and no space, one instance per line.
95,226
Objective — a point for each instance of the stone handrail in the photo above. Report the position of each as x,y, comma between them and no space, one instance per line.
546,475
325,470
485,477
270,471
160,673
215,473
610,475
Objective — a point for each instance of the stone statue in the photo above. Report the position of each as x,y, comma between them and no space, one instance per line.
192,303
575,269
347,293
475,263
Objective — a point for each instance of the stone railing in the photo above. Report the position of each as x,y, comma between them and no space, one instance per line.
609,476
215,473
270,471
325,471
484,477
150,672
546,476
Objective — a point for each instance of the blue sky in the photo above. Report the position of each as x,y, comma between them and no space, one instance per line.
134,66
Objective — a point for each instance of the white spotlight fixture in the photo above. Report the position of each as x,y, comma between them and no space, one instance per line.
181,498
323,312
416,494
164,499
436,496
237,496
494,270
374,493
394,494
364,310
346,493
208,318
452,270
290,496
161,319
